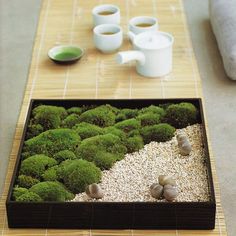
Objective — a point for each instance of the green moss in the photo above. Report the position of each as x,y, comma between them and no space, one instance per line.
117,132
26,181
36,165
34,130
52,191
18,191
135,143
181,115
90,147
86,130
102,116
159,133
70,121
52,141
149,118
77,174
64,155
29,197
126,113
153,109
128,125
51,174
105,160
49,117
75,110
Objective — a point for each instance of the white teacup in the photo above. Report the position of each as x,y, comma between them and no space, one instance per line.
106,14
108,37
141,24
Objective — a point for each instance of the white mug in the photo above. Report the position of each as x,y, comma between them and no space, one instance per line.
108,37
141,24
106,14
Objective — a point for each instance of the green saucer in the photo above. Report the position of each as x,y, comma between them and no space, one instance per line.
65,54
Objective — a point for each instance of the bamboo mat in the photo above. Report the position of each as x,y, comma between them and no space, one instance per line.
98,76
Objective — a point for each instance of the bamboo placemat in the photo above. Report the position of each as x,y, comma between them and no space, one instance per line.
98,76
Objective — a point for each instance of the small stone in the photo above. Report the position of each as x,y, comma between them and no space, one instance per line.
170,193
94,191
156,191
184,145
165,179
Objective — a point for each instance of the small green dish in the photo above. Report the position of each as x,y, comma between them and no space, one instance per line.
65,54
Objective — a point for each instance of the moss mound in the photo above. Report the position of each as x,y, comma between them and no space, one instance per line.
149,118
18,191
102,116
52,191
153,109
181,115
29,197
126,113
134,143
87,130
49,117
52,141
159,133
25,181
51,174
77,174
35,166
90,147
34,130
75,110
64,155
128,125
70,121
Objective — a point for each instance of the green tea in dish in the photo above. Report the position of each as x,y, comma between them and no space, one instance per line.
105,13
108,33
66,55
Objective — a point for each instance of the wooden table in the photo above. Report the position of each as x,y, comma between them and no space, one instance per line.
98,76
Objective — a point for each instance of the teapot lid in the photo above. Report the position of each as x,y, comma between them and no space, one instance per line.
153,40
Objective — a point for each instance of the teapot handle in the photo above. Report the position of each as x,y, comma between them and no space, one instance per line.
127,56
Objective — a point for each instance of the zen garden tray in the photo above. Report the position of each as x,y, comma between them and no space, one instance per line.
122,147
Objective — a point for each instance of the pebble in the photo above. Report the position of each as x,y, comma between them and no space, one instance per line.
94,191
156,191
165,179
170,193
184,145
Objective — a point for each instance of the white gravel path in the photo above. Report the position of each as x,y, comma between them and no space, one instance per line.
129,180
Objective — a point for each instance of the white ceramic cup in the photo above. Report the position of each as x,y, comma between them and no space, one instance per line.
141,24
101,14
108,37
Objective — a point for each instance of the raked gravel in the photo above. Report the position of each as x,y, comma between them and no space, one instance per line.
129,180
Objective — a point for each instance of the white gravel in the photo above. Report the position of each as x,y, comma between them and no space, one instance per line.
129,180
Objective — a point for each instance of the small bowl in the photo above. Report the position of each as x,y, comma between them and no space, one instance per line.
65,54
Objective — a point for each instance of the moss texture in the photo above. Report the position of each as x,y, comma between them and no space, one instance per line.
87,130
181,115
52,191
36,165
66,150
77,174
52,141
25,181
159,133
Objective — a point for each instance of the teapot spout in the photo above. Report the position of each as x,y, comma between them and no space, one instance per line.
127,56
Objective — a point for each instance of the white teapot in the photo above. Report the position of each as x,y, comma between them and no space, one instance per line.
153,53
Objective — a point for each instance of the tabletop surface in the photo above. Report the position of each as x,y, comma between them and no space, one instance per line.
98,75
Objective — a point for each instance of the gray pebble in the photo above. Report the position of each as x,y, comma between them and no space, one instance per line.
165,179
156,191
94,191
170,193
184,145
